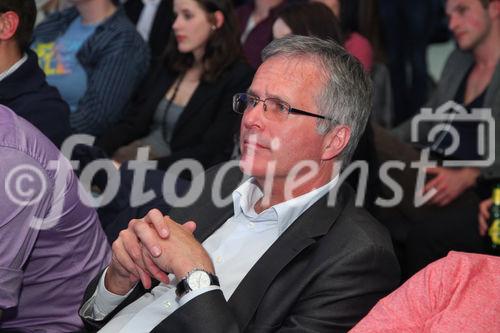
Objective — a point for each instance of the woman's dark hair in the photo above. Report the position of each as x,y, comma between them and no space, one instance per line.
221,51
26,10
312,19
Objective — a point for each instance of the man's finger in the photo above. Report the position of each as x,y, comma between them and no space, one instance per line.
122,259
432,184
484,215
483,226
155,217
154,270
438,198
148,238
190,226
131,245
145,278
433,171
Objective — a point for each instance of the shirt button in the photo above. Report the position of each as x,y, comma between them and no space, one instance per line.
218,259
168,305
251,225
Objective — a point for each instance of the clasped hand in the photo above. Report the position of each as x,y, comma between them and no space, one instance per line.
153,247
449,183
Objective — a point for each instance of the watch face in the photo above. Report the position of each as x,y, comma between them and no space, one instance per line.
198,279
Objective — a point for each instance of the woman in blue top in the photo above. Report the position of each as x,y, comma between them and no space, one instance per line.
96,58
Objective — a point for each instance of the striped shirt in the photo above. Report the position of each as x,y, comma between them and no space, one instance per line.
115,59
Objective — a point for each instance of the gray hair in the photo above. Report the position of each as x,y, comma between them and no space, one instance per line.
346,97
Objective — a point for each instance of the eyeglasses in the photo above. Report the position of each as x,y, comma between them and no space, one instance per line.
274,109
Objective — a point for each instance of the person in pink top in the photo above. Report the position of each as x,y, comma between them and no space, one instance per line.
355,43
459,293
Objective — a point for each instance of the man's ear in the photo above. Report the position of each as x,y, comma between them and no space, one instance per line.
9,21
335,142
218,19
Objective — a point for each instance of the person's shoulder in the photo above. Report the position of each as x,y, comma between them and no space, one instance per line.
55,20
357,40
457,61
8,127
355,226
462,264
121,29
120,23
18,134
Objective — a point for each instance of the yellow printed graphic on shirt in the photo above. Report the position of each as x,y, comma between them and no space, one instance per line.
51,59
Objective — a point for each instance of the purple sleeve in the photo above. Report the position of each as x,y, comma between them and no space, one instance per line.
24,199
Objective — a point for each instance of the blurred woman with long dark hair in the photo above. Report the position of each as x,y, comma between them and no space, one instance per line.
184,109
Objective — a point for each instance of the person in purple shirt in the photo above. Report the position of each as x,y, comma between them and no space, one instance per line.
51,243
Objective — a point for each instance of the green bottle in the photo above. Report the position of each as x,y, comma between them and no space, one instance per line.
494,221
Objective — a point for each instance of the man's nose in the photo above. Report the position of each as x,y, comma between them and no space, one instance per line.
254,115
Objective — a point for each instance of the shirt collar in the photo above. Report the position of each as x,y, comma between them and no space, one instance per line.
14,67
152,2
285,213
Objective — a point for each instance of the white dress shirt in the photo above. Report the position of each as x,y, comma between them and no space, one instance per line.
147,18
14,67
234,248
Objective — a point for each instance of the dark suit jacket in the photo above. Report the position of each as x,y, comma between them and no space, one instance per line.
28,94
323,274
162,24
206,128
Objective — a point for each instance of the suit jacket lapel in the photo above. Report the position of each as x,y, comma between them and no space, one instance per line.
304,232
201,93
164,13
460,75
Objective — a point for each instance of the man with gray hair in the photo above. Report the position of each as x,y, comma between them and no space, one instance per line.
279,255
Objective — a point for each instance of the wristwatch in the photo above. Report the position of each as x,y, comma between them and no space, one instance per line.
196,279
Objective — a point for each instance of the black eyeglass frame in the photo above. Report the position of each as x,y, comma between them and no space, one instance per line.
290,109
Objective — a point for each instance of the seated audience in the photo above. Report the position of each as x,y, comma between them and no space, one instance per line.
268,260
22,83
470,80
355,43
52,243
153,20
95,57
256,18
183,109
315,19
459,293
